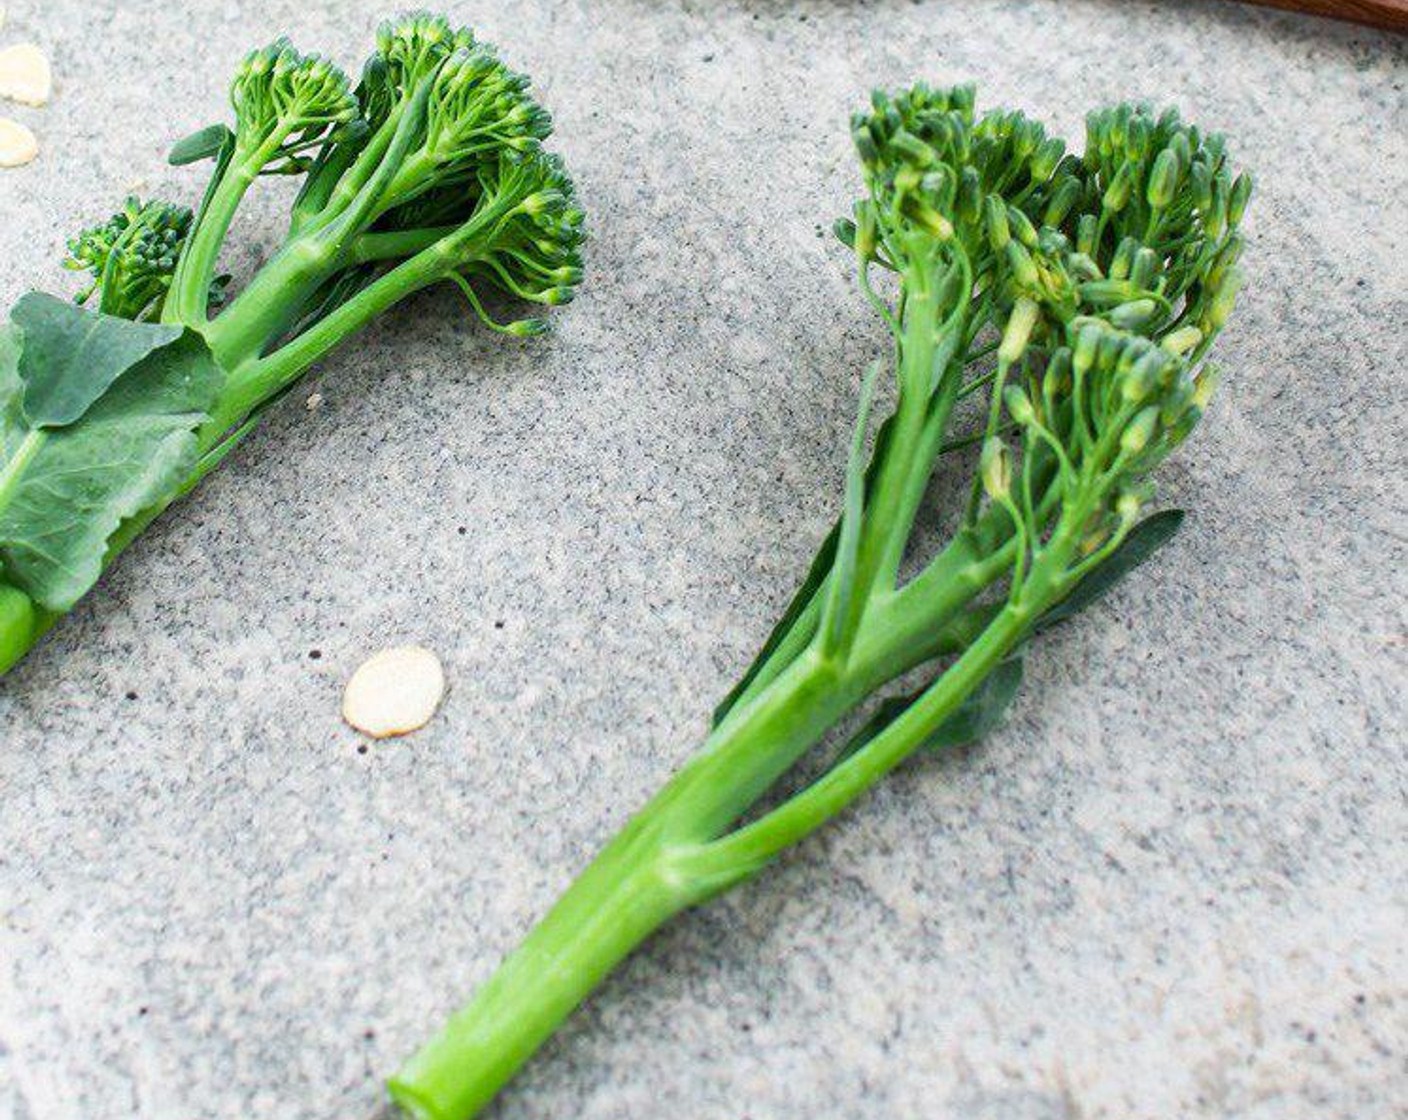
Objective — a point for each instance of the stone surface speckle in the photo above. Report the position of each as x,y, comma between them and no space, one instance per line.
1174,885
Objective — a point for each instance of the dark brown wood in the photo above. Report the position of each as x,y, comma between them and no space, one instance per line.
1391,15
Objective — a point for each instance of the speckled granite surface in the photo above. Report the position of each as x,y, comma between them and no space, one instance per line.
1173,886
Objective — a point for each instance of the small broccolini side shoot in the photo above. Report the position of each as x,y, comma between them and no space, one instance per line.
430,169
1053,314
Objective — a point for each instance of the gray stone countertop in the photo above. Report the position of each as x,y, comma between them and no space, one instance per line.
1174,885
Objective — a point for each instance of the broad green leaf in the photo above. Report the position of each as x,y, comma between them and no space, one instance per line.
10,345
64,491
1142,542
208,143
71,356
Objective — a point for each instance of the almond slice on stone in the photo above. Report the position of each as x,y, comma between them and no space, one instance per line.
394,692
24,75
17,144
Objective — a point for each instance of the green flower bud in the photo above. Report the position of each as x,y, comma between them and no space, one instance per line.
1215,219
1019,406
1238,198
1128,505
1086,230
1182,148
995,468
1163,180
929,218
864,141
970,196
913,149
1200,177
1086,349
1143,376
1134,314
1144,269
1022,228
1063,200
995,217
1018,331
1220,310
1123,261
1135,438
1182,340
1023,268
1048,155
1118,192
1104,293
1056,380
1083,268
1206,385
1138,137
1177,399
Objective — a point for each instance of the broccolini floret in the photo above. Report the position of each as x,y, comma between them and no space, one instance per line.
1051,318
429,170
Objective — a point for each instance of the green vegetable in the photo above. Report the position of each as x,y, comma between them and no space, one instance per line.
1052,312
431,169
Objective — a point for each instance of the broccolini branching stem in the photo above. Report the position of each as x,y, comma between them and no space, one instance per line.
431,170
1102,312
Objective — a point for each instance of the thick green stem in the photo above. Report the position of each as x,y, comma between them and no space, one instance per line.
189,299
630,889
615,905
255,381
270,302
22,623
751,847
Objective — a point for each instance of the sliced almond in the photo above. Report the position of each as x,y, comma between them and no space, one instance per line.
24,75
17,144
394,692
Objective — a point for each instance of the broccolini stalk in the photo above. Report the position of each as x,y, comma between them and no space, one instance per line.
430,170
1065,304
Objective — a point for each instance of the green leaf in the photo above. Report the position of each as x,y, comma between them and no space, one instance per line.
1142,542
11,342
979,714
984,708
64,491
208,143
835,615
71,356
815,577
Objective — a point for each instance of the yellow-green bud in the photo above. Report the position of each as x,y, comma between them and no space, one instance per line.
1206,386
1134,314
1019,260
1086,349
1182,340
1019,407
995,467
995,216
1022,228
1086,229
1137,433
1018,331
1163,180
1237,200
1117,193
